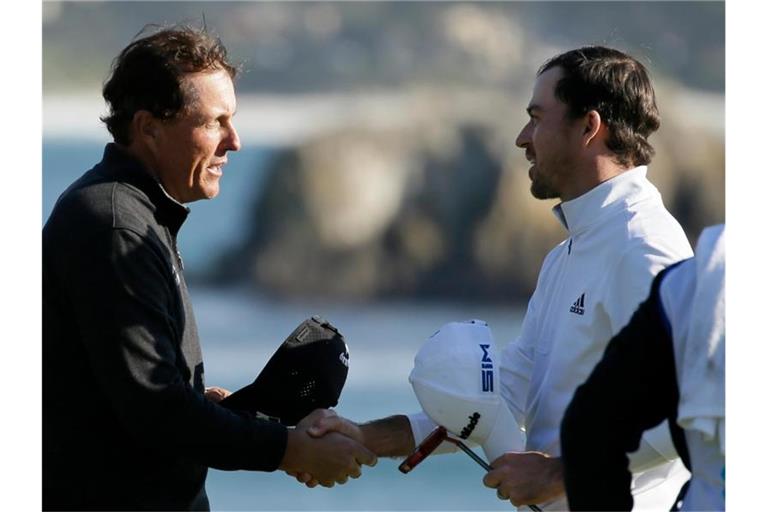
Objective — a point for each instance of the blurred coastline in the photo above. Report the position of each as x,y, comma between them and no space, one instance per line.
410,193
389,168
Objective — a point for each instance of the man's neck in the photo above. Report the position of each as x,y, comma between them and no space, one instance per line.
142,155
592,174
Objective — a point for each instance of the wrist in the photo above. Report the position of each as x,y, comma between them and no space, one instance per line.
290,456
555,479
388,437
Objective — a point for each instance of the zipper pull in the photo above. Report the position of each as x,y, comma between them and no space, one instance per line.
178,255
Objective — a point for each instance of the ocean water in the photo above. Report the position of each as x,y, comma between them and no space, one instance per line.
240,329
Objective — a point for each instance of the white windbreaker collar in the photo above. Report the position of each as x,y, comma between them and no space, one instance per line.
579,213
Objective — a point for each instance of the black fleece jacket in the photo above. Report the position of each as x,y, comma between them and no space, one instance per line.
125,422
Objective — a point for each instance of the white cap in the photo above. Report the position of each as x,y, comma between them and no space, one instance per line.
456,380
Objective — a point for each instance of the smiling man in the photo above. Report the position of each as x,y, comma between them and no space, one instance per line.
590,116
187,155
591,113
127,421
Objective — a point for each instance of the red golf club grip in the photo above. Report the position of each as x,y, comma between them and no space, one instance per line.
427,446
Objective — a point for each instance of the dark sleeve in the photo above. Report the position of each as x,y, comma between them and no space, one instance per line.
633,388
124,306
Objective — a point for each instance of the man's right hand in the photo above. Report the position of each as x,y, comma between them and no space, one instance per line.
334,423
386,437
330,459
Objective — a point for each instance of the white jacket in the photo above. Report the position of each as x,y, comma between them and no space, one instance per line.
588,287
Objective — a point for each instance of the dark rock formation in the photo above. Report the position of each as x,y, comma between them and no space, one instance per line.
437,207
360,215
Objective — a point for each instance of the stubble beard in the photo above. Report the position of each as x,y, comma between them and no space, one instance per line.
547,182
542,189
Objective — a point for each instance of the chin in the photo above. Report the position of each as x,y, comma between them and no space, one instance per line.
206,193
541,191
209,189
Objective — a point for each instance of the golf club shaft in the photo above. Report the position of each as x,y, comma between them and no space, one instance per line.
466,449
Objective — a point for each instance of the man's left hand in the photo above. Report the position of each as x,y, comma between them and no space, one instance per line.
216,394
526,478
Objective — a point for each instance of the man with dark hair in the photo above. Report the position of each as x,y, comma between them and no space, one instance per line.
618,87
127,421
591,113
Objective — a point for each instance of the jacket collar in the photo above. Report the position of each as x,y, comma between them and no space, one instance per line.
610,196
125,168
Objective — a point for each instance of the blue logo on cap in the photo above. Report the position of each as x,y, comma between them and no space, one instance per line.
486,371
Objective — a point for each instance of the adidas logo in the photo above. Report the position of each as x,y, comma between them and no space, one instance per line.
578,306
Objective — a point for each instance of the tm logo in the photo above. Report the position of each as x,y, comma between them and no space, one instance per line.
486,369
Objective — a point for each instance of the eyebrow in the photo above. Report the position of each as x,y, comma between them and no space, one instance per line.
222,112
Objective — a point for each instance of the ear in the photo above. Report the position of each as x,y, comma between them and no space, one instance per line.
145,127
593,125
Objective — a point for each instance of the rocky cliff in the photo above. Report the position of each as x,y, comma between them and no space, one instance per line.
435,201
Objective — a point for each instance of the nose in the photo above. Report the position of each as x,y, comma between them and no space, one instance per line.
232,140
524,137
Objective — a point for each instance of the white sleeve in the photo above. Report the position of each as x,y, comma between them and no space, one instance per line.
633,276
421,426
517,363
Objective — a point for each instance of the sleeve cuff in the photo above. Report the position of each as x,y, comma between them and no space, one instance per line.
655,448
269,440
422,426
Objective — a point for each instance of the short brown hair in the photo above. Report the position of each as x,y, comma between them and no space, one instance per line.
617,86
148,73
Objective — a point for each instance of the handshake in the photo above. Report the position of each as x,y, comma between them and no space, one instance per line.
325,449
309,369
454,379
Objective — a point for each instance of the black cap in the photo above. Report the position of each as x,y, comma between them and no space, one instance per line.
307,372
